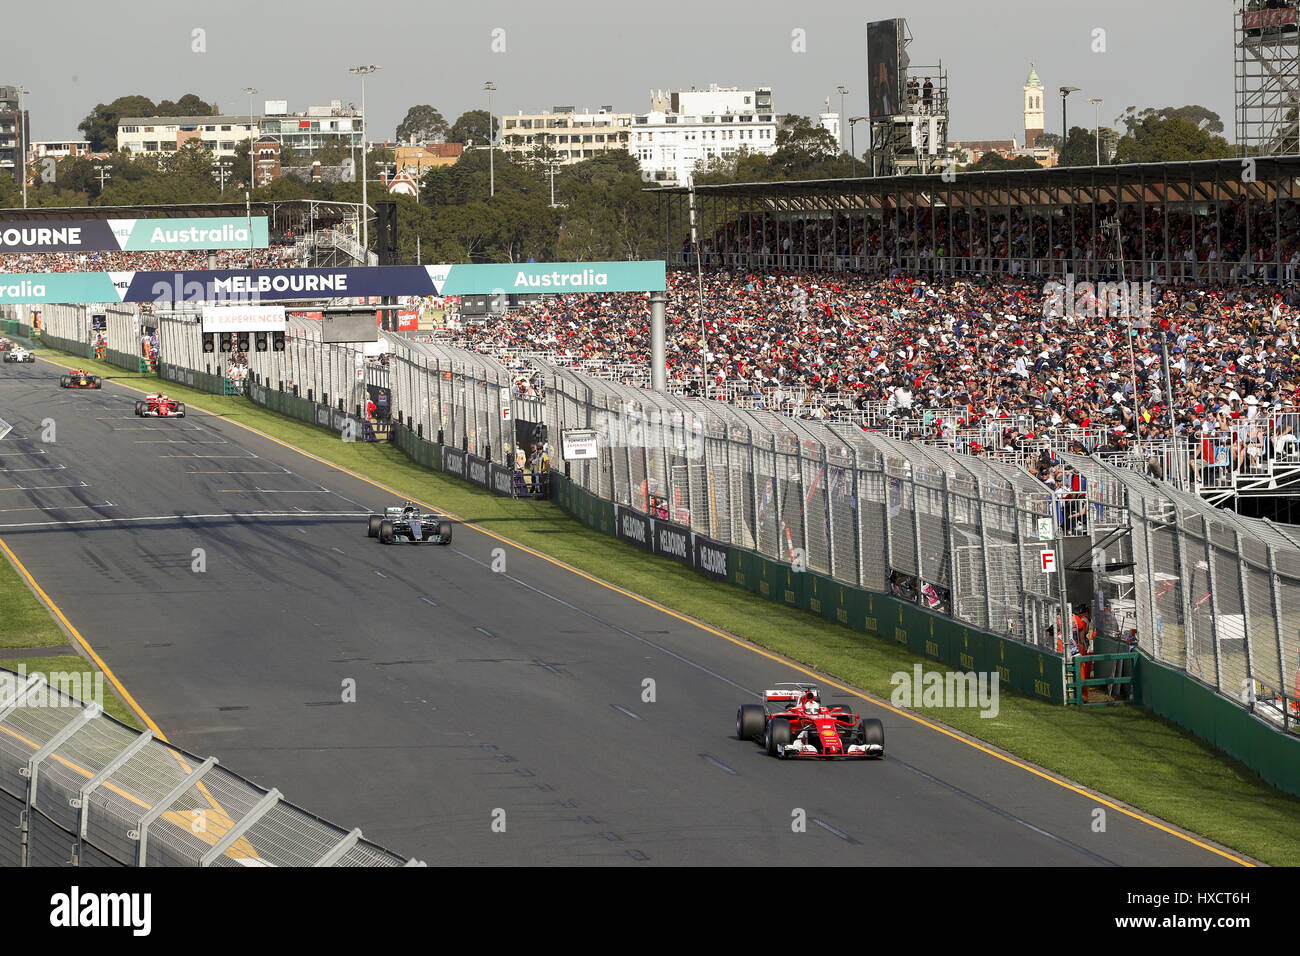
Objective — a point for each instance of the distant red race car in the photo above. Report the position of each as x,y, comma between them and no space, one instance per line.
159,406
79,378
791,722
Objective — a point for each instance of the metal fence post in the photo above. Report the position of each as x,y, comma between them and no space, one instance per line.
1245,624
255,813
1156,634
950,541
1214,604
1275,589
856,499
141,832
33,770
82,800
984,556
826,508
339,850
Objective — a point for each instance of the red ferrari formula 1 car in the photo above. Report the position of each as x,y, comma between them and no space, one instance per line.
792,722
79,378
159,406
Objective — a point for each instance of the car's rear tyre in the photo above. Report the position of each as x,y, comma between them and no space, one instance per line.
751,722
444,531
872,732
385,531
180,410
95,382
63,381
778,735
139,408
372,526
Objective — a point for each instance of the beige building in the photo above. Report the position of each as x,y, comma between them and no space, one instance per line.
572,135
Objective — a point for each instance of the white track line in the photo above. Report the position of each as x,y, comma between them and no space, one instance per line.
273,491
45,487
41,468
224,514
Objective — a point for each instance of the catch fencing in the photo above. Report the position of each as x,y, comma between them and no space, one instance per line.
1198,588
78,788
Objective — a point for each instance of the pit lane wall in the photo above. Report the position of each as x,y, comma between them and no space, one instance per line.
941,639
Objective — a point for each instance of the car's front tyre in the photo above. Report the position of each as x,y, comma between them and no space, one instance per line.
778,736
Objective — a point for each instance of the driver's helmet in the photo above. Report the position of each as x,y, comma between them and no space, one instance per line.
811,701
409,509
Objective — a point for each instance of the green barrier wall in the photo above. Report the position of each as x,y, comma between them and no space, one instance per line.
422,452
71,346
939,638
1221,723
202,381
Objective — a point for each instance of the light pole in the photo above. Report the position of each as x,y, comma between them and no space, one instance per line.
1096,101
221,169
853,122
843,92
252,175
1065,91
699,303
363,72
492,175
22,118
103,170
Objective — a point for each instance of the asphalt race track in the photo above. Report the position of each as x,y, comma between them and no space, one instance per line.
476,692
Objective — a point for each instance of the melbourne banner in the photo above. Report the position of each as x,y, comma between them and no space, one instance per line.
253,285
133,235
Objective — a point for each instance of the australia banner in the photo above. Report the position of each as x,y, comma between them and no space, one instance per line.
133,235
249,286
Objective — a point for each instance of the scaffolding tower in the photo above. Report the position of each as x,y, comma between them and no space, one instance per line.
1267,77
915,138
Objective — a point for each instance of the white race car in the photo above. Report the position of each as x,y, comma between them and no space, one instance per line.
18,354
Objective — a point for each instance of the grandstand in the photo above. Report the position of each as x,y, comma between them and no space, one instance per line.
1217,221
301,232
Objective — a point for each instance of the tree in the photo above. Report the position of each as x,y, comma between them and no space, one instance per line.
991,161
1171,135
188,105
1080,148
1049,141
473,126
100,127
424,123
1203,119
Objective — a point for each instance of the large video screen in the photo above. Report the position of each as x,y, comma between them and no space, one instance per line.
883,86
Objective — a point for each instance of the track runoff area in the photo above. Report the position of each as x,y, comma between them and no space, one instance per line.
460,714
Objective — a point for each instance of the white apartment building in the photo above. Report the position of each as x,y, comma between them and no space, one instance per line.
306,131
164,134
688,126
573,136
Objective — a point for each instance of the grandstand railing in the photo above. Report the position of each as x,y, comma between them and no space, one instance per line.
1176,271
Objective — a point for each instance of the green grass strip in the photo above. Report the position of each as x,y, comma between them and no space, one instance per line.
72,664
1127,753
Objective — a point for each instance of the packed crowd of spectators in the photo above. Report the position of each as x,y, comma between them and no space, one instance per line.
274,257
1035,357
1256,241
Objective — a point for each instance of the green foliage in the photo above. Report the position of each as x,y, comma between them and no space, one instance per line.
472,126
100,127
424,123
992,161
803,151
1080,148
1171,135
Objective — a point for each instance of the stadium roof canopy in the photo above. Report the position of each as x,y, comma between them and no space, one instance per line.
286,207
1227,175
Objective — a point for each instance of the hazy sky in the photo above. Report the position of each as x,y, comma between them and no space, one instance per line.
75,53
